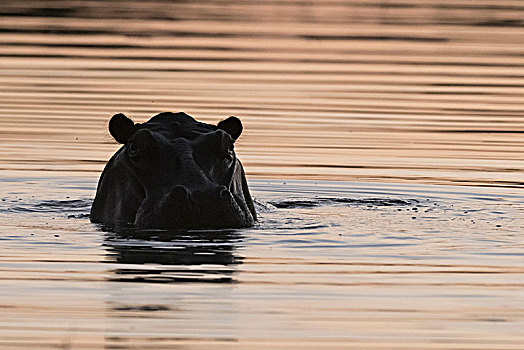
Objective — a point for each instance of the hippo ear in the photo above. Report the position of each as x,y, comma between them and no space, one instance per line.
231,125
121,127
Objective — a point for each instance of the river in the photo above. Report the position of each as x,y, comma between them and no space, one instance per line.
383,142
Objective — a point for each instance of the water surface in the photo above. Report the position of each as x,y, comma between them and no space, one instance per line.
383,142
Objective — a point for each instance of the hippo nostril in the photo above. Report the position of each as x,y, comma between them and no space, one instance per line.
180,192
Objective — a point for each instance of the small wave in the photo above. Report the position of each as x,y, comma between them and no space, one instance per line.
310,203
52,206
79,216
261,206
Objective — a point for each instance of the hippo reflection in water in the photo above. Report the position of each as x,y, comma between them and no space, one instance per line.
174,172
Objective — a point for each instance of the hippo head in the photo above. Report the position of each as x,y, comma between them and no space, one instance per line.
173,172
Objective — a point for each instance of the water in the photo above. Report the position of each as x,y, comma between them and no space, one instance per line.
383,143
333,264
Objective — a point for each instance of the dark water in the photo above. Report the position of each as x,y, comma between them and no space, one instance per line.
383,142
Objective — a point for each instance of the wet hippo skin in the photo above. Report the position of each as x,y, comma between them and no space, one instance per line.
174,172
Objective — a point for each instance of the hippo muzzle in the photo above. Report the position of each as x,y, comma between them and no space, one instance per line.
173,172
181,208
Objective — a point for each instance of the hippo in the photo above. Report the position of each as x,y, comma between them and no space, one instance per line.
173,172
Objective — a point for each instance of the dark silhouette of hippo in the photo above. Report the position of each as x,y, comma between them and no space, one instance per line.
174,172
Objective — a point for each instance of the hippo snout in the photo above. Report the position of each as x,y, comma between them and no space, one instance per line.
215,207
181,194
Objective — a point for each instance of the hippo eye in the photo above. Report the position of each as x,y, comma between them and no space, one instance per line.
132,150
230,155
225,146
142,145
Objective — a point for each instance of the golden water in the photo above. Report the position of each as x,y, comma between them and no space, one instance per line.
419,102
